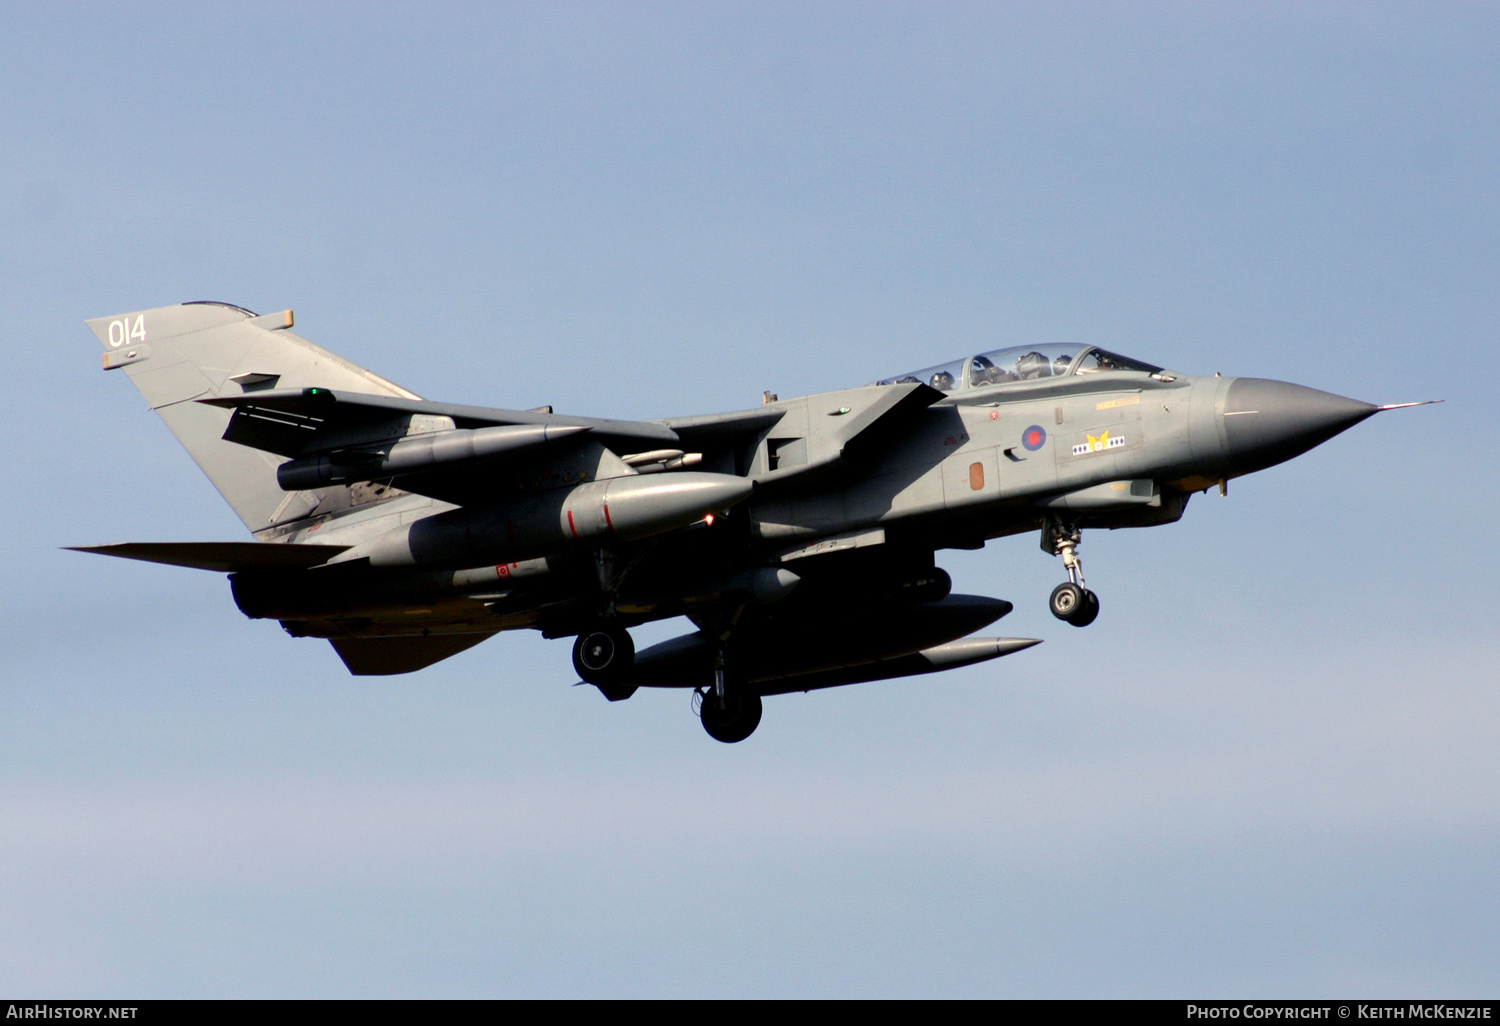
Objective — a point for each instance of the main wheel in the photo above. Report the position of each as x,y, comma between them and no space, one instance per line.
603,656
732,719
1067,601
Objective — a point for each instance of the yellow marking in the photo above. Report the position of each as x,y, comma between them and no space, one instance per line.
1109,404
1098,444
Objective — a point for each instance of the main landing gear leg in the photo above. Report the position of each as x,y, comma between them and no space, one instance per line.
730,710
604,654
1070,602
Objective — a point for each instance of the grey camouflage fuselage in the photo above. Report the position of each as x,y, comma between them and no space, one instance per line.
799,535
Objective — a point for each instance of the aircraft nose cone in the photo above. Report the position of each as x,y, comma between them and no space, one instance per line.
1269,422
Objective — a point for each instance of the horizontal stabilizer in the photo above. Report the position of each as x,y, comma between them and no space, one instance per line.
223,557
378,657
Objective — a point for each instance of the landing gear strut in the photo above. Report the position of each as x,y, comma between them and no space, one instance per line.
1070,602
731,717
730,710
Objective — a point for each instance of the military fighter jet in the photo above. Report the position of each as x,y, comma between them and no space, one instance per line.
798,536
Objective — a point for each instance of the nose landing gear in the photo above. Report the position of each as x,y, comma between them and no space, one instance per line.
1071,602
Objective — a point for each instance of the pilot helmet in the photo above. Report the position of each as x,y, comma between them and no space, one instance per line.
1033,365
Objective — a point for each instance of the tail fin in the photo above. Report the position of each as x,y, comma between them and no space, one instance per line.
176,354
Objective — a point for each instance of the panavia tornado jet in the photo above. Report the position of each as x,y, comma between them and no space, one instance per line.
798,537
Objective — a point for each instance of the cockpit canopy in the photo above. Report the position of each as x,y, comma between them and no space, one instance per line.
1021,363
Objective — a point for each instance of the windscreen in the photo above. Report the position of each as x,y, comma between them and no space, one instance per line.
1096,360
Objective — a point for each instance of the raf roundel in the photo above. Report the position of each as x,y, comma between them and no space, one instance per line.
1034,437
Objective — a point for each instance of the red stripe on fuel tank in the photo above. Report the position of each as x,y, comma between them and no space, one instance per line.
570,524
607,520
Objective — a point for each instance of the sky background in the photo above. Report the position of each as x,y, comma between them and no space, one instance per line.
1269,769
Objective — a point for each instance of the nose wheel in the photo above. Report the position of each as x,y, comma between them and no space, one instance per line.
1071,602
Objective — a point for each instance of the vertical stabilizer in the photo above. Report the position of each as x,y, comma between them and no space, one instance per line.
177,354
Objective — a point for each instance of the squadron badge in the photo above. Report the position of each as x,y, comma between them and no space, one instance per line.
1099,443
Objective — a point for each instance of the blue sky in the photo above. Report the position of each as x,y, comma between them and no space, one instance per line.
1270,768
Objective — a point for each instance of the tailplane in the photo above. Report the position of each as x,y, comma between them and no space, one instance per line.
177,354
